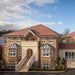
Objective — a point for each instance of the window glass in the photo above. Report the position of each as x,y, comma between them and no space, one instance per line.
69,55
50,40
11,40
19,52
51,53
12,53
43,39
18,40
45,65
45,52
12,65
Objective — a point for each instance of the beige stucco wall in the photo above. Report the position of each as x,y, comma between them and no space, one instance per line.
33,45
62,52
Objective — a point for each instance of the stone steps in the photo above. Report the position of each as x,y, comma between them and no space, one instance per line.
23,68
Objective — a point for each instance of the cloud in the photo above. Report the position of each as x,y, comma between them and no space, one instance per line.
49,16
59,23
12,14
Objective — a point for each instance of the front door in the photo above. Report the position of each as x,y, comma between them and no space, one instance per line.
29,53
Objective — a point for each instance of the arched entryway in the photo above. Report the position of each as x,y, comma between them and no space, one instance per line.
29,53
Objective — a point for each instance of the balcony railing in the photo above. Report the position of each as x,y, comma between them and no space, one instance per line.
30,62
20,64
29,43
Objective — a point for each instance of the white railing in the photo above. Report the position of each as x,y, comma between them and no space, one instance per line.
30,62
20,64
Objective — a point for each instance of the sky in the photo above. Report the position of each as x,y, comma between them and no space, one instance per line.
58,15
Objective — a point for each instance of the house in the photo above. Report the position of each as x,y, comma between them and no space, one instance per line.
35,47
67,50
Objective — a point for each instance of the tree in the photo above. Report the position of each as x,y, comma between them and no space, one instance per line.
66,31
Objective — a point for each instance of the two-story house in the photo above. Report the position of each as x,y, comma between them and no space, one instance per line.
36,46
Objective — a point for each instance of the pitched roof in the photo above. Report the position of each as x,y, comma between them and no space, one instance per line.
71,34
14,46
67,46
38,30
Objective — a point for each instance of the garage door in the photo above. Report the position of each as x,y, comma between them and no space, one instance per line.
70,63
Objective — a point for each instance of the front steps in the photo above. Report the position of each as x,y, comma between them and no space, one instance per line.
24,68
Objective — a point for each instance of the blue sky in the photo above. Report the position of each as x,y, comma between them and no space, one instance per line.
55,14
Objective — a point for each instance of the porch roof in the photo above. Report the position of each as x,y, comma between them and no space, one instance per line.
46,46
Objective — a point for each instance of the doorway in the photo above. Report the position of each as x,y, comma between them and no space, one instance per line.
29,53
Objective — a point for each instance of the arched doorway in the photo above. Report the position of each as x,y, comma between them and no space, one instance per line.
29,53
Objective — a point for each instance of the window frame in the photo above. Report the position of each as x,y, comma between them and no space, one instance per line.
32,39
50,40
52,53
19,52
45,53
69,55
18,40
12,64
11,40
11,53
46,65
43,40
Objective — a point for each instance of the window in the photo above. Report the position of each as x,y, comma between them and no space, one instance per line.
69,55
50,40
51,53
43,39
12,53
32,38
45,52
19,52
45,65
52,64
12,65
18,40
11,40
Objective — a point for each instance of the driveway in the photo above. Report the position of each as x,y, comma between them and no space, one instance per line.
68,72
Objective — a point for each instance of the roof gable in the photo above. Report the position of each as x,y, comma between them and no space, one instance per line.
30,32
38,30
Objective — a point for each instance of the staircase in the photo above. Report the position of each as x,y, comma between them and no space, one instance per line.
25,64
24,68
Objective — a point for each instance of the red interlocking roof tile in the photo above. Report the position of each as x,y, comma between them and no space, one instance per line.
71,34
38,30
67,46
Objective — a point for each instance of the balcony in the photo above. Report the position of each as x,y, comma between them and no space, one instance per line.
29,43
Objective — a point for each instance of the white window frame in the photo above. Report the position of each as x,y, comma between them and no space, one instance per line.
18,40
43,39
12,64
70,56
52,63
50,40
19,52
45,53
52,51
11,40
45,65
11,53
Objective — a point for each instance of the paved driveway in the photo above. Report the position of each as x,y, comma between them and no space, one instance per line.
69,72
